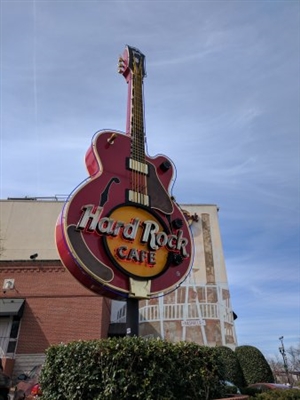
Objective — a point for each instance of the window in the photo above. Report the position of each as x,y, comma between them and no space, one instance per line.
9,330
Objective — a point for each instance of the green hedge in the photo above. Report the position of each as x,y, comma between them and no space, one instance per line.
131,368
291,394
254,366
232,370
137,368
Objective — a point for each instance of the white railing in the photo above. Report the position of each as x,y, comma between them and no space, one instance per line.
172,312
179,312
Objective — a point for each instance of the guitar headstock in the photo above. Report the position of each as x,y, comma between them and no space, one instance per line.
131,62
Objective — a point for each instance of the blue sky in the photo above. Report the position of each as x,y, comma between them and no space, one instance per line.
221,100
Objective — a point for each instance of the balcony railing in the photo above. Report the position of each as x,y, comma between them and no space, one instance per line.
175,312
169,312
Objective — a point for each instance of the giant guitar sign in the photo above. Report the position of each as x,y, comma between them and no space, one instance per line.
121,233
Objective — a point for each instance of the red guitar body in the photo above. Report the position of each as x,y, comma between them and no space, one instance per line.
120,230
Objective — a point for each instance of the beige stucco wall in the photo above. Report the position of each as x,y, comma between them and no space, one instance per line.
215,235
27,227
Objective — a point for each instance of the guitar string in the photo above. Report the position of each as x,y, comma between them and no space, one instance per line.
138,128
133,138
143,177
139,179
137,133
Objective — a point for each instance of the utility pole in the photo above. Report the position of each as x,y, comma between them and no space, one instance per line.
284,357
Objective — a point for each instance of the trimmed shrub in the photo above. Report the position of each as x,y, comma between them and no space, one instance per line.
130,368
231,367
291,394
254,365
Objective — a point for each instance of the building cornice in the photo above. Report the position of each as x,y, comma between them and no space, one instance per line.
31,266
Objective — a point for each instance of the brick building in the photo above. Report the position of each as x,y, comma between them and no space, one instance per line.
42,304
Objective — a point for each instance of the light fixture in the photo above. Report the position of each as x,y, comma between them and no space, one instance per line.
34,256
8,284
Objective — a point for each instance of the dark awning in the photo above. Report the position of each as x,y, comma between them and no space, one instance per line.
10,307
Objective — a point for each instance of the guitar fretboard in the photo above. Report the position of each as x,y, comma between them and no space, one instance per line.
137,115
137,163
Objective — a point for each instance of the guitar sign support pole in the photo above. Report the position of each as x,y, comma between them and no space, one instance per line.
132,317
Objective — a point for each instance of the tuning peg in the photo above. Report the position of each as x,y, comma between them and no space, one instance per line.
121,65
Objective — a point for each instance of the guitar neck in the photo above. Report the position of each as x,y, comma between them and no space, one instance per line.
135,117
131,65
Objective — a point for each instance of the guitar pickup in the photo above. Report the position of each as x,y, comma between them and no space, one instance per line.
139,198
137,166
